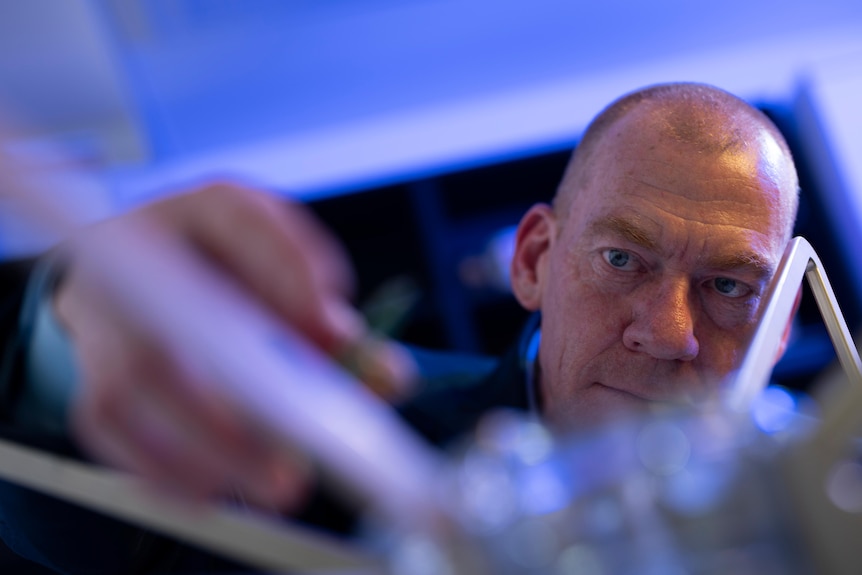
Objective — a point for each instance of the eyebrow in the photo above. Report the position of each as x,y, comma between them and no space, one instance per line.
625,228
631,231
742,261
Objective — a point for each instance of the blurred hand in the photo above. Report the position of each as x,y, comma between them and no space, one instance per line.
142,408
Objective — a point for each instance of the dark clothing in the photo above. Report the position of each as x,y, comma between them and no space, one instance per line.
56,534
457,390
13,284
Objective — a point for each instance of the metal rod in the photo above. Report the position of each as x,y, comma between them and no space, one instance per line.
266,542
848,356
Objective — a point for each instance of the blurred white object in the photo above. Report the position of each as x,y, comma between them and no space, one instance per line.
45,196
799,262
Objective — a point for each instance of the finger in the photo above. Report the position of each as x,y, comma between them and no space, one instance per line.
279,252
257,462
146,438
299,271
114,437
385,367
148,414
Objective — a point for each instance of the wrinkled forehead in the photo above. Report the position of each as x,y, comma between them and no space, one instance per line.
659,142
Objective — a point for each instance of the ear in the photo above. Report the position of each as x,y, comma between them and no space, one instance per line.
785,338
533,240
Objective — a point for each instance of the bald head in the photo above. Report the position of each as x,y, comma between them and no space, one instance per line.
651,269
700,117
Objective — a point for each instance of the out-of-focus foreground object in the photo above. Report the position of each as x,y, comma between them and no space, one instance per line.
799,262
243,352
762,489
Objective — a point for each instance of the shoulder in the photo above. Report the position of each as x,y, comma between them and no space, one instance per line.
458,389
440,370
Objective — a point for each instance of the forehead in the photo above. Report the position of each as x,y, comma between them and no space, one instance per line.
731,180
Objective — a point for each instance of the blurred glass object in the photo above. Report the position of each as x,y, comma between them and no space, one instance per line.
844,486
673,493
774,409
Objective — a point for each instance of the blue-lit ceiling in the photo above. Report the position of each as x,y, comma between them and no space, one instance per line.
315,95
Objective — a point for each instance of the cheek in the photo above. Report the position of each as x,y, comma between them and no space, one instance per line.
721,351
730,315
579,322
581,298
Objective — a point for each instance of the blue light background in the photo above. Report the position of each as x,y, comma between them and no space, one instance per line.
375,90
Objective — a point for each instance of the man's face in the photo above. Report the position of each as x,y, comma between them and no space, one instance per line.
650,287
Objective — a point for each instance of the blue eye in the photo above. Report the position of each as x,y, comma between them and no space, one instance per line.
729,287
618,258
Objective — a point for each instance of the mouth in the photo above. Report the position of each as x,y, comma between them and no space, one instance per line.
618,391
640,398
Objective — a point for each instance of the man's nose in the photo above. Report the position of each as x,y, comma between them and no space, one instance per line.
663,323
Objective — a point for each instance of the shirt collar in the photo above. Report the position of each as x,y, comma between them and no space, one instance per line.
529,363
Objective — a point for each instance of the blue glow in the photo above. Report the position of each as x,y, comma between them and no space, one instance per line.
542,491
355,94
698,489
774,410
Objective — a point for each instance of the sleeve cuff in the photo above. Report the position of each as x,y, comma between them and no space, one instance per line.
50,369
